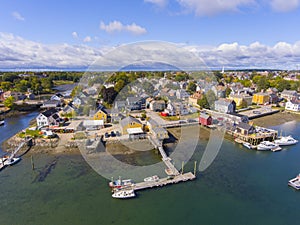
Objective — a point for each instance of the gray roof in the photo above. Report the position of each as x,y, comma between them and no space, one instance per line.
128,120
244,126
204,115
223,101
159,130
152,122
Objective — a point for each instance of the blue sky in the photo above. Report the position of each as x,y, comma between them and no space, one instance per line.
211,28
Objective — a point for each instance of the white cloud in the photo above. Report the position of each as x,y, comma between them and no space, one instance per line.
87,39
160,3
117,26
18,16
16,52
284,5
75,35
212,7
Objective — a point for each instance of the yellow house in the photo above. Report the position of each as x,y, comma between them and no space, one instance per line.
129,123
261,98
101,114
241,99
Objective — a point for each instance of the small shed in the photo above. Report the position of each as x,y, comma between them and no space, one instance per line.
245,128
205,119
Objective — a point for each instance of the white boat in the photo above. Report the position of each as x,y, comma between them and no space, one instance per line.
151,179
247,145
267,145
11,161
286,140
124,194
295,182
2,122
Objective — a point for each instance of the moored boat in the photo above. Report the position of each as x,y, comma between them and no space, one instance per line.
11,161
120,183
286,140
124,194
151,179
2,122
247,145
266,146
295,182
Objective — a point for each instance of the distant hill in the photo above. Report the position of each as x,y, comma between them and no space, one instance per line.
150,66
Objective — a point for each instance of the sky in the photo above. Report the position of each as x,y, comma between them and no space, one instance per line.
225,33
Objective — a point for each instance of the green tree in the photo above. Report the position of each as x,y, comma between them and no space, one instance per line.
227,91
203,103
191,88
119,85
9,102
6,85
263,83
211,97
282,85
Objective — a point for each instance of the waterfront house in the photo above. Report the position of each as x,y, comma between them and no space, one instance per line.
170,110
293,105
17,95
49,118
51,104
261,98
131,125
160,133
205,119
157,105
245,128
225,105
288,94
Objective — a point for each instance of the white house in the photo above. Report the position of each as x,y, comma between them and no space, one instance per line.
225,105
48,118
293,105
182,94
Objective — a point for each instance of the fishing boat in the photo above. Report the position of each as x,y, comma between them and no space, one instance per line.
2,122
286,140
124,194
120,183
151,179
267,145
295,182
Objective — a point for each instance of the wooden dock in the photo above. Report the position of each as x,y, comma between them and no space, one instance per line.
164,181
174,176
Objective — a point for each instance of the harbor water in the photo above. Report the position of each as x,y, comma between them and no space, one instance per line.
241,186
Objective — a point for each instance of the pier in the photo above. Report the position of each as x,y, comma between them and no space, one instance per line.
174,176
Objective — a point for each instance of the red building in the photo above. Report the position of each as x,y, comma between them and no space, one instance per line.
205,119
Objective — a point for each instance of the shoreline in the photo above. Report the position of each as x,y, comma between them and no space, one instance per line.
118,148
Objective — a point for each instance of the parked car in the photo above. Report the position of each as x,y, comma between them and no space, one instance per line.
106,135
118,133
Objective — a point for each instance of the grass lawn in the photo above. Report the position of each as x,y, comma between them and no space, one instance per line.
32,133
